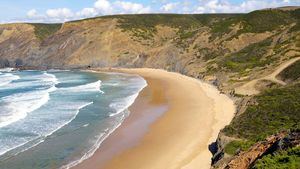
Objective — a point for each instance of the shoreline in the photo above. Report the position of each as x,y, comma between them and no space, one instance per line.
163,129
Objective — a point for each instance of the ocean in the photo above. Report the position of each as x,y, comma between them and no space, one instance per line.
58,118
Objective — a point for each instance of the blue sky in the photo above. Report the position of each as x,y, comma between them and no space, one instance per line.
65,10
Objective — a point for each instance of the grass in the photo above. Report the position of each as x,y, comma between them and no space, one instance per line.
182,21
186,23
257,22
296,14
276,110
249,57
146,24
43,31
224,26
291,73
234,146
143,26
298,43
265,20
187,34
288,159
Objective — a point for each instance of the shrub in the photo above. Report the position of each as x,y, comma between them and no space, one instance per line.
249,57
233,146
289,159
292,72
43,31
276,110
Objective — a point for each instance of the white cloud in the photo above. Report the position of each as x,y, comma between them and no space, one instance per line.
108,7
87,12
32,13
169,6
103,6
224,6
60,13
129,7
200,9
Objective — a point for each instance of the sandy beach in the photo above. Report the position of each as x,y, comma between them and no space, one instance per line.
172,123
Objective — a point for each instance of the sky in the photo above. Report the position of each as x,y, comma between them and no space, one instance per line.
65,10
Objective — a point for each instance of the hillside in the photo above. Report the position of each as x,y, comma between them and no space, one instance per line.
252,57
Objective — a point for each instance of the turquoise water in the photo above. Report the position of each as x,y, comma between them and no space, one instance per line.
56,119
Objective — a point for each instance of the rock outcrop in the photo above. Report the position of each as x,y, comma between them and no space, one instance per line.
246,159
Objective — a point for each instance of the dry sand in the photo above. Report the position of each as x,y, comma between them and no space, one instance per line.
171,125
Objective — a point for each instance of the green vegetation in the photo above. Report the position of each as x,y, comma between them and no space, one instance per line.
43,31
249,57
289,159
282,46
224,26
146,21
233,146
187,34
257,22
145,24
296,14
209,54
298,43
292,72
296,27
265,20
276,110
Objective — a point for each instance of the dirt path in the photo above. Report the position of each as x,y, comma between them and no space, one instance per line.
249,88
283,66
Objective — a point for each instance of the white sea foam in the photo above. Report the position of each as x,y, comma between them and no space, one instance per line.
90,87
6,69
4,150
58,70
7,78
16,107
44,79
101,137
77,107
61,110
112,84
122,104
28,148
121,111
72,108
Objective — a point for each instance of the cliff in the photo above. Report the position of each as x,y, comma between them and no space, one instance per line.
192,44
242,54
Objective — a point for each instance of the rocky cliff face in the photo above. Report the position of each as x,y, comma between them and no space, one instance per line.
277,142
97,43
